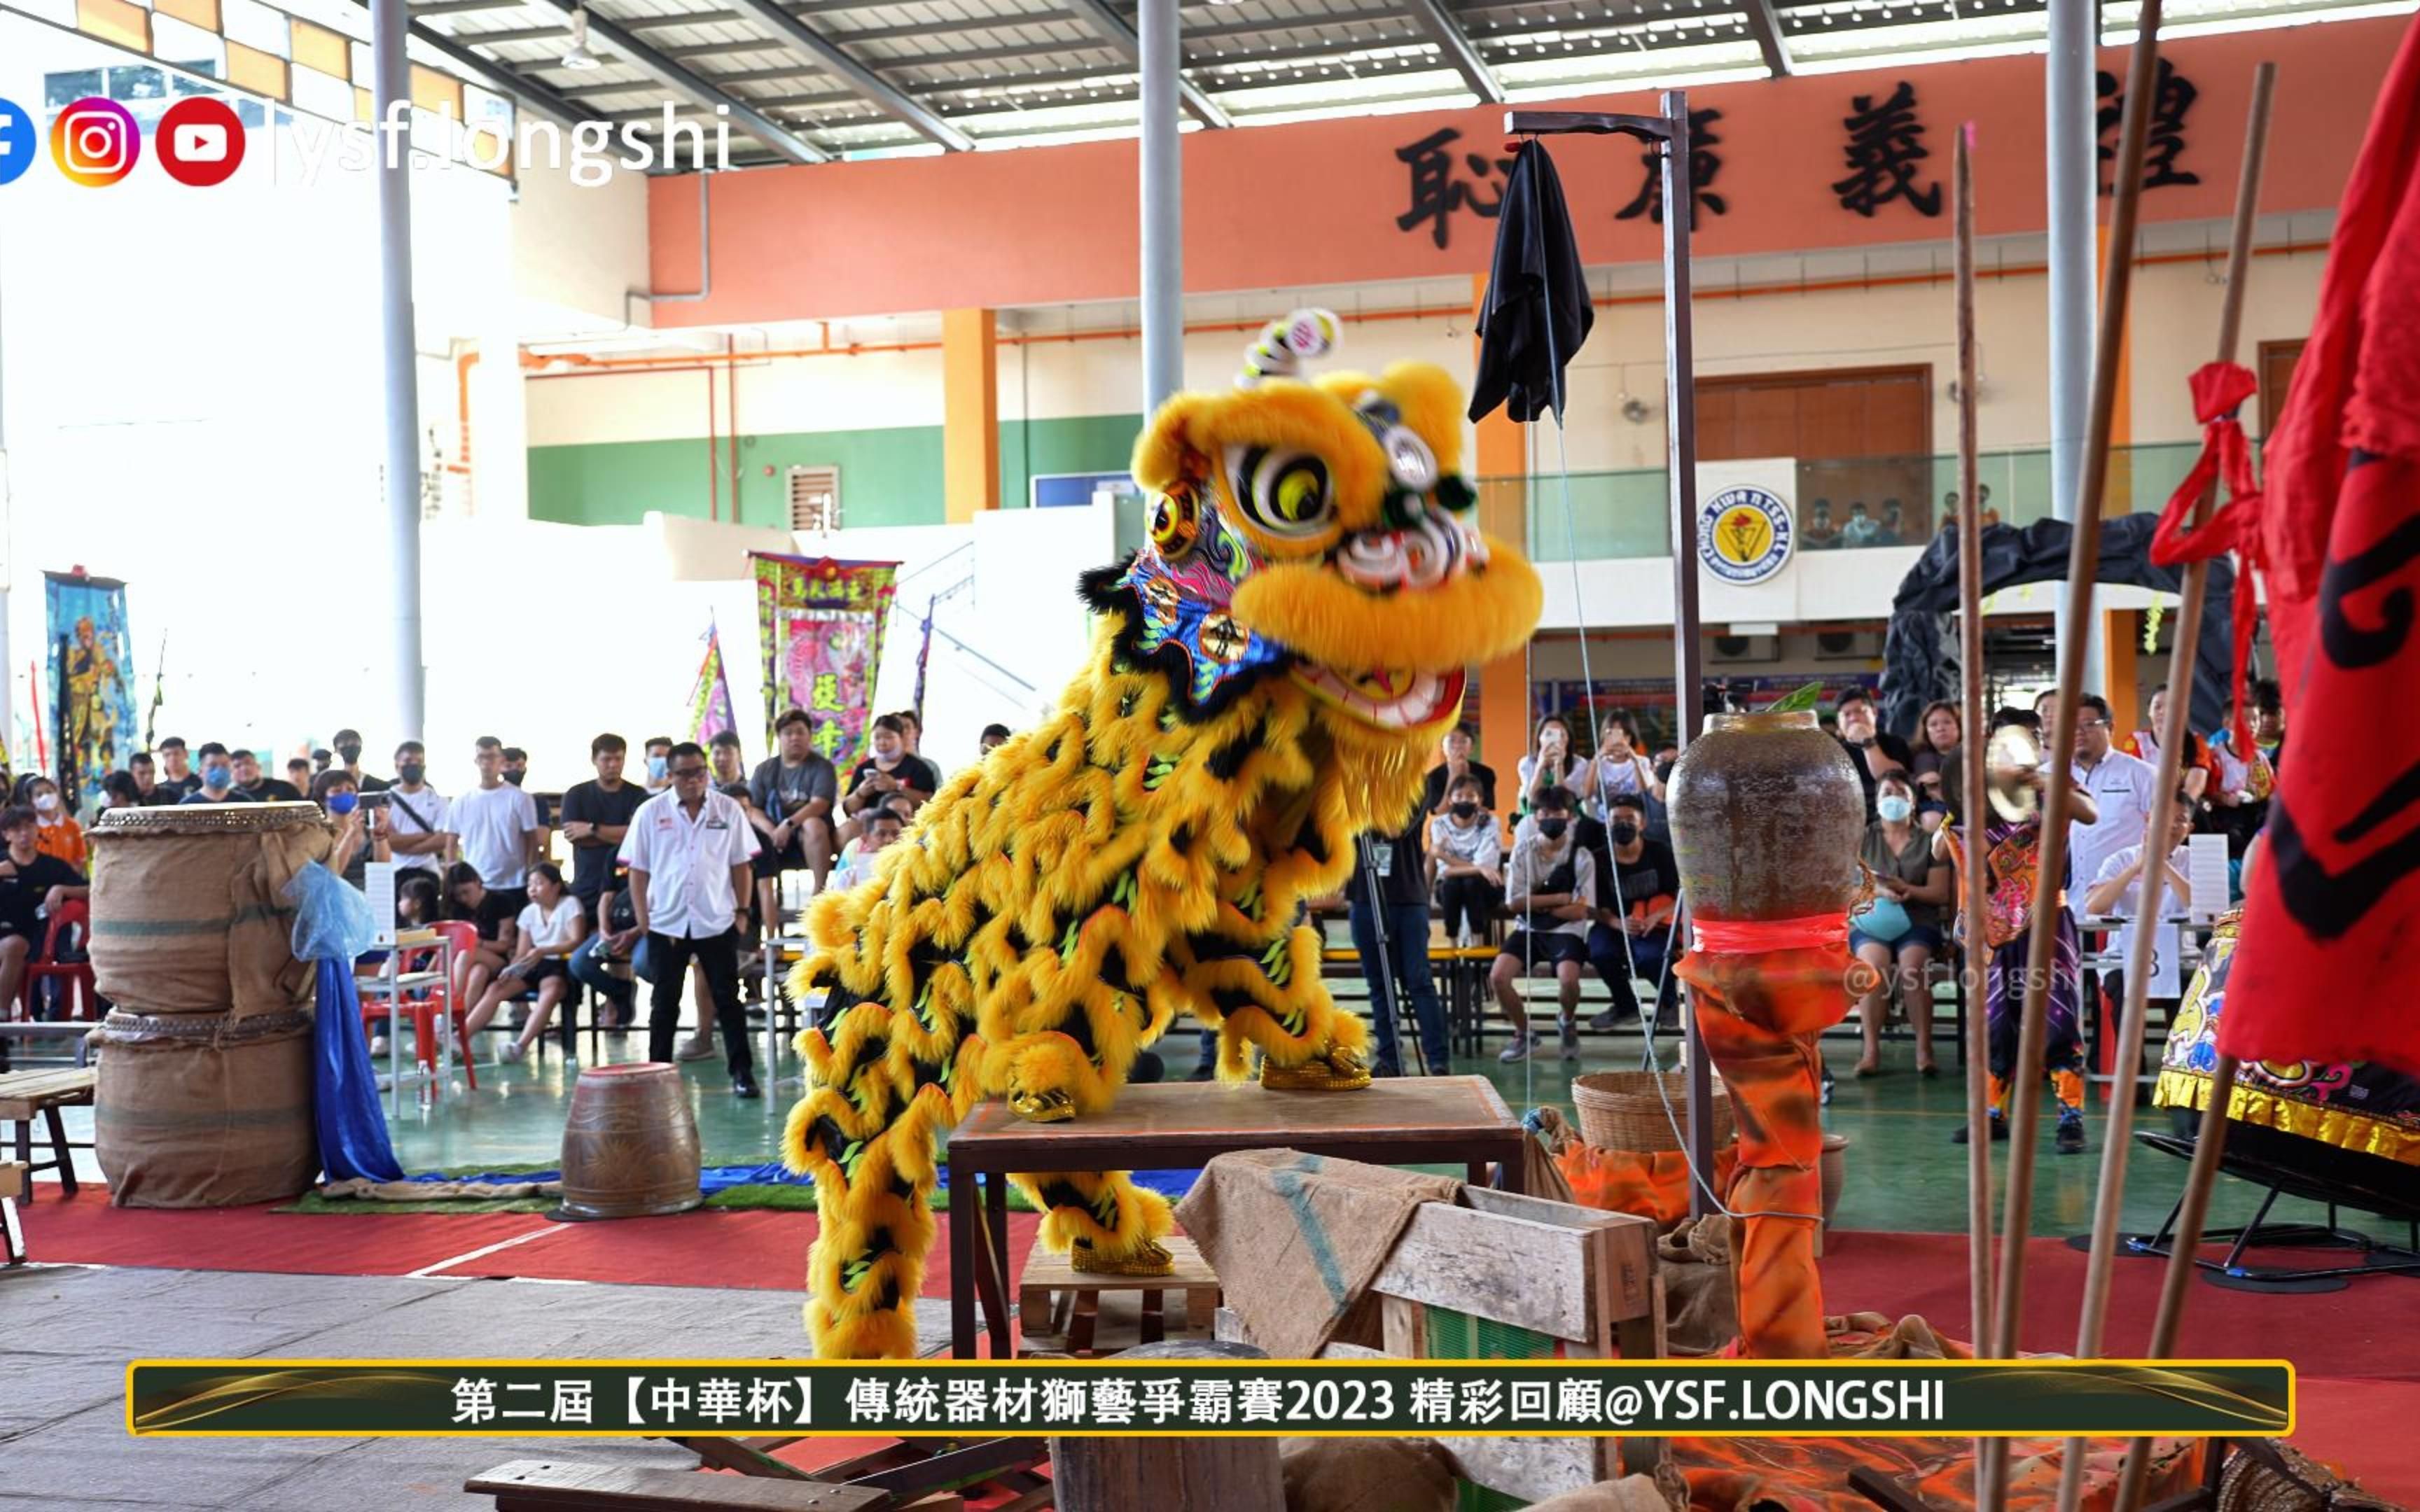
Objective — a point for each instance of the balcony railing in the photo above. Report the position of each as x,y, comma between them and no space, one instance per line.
1903,500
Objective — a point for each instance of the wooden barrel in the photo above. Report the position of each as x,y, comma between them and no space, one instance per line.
187,908
204,1110
629,1149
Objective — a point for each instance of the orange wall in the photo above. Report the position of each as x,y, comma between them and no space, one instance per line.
1316,202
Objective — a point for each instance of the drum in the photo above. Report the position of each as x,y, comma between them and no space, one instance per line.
630,1148
204,1110
189,914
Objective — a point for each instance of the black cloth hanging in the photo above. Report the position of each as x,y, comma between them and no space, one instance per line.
1538,310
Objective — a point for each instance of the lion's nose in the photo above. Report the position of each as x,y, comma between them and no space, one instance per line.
1432,549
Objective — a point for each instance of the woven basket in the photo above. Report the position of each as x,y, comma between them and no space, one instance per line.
1623,1110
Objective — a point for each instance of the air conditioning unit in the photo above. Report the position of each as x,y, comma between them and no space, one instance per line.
1848,645
1731,650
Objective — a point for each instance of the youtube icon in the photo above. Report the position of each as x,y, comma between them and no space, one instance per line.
200,142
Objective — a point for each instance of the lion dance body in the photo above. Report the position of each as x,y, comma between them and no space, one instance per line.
1267,678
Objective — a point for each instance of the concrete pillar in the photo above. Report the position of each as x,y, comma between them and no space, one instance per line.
1161,48
970,414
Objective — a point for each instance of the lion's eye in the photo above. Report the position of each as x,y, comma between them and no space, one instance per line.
1284,493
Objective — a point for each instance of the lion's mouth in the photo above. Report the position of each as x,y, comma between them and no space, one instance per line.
1389,699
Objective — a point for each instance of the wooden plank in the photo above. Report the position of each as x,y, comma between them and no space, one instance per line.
535,1484
1535,1469
13,1177
1514,1270
1173,1117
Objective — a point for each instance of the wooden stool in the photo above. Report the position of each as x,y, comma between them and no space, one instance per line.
26,1095
1056,1298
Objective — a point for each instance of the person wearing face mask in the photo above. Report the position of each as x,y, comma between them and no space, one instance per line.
1898,934
1873,752
415,813
1549,887
217,779
1633,932
348,744
1466,853
1459,762
658,750
361,833
58,832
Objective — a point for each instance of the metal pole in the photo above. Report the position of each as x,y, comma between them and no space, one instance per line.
1681,462
2072,175
1163,204
7,562
390,23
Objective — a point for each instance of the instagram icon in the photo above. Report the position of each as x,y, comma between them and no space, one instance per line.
95,142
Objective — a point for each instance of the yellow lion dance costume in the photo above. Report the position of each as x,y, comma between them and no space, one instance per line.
1267,680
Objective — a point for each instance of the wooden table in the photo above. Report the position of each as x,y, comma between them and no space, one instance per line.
1398,1121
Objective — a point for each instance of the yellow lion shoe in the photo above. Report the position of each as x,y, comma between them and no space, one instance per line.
1337,1070
1151,1258
1053,1106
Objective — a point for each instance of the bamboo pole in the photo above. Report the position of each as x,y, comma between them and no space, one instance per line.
2083,561
2119,1132
1974,799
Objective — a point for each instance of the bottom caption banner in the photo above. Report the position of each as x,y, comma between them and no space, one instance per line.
535,1398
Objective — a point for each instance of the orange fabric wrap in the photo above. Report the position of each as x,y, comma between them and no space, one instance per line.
1644,1184
1760,1015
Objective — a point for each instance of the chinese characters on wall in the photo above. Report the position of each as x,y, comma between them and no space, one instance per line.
1882,144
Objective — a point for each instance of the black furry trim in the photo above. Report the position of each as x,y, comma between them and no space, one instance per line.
1103,590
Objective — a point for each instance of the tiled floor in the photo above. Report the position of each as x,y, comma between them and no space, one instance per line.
1903,1173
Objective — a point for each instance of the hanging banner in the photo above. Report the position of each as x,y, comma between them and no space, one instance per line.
820,625
709,700
89,692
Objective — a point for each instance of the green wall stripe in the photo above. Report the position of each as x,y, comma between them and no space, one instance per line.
889,476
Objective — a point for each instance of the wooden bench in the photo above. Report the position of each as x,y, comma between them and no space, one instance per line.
15,1182
559,1486
26,1094
1054,1298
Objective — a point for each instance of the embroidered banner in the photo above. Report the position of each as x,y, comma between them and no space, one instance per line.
709,700
91,692
820,623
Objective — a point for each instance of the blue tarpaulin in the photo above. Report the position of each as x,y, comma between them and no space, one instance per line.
718,1178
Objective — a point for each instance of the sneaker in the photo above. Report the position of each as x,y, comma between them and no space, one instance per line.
1823,1097
1517,1051
1571,1041
1999,1131
512,1052
743,1086
379,1045
2071,1132
1613,1018
697,1047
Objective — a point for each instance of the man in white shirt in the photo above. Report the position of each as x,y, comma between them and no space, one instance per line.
415,812
496,825
2121,786
689,851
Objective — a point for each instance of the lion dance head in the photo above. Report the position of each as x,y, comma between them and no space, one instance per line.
1320,530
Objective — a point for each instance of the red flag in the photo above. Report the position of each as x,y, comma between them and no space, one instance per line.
2330,938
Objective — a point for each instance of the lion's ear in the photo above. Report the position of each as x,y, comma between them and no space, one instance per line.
1431,402
1168,451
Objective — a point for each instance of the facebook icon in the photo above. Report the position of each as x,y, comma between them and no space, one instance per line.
16,142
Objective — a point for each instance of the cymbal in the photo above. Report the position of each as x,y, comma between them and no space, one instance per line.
2009,763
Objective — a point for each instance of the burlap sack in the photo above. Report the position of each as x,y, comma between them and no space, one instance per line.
188,912
1297,1238
195,1111
1367,1475
1700,1300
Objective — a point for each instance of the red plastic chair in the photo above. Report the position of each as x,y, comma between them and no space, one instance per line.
423,1008
85,998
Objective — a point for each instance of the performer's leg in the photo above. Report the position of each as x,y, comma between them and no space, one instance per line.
2063,1045
2004,1007
1277,1001
1105,1223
